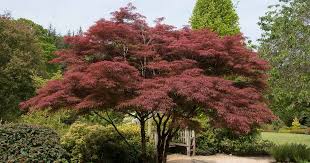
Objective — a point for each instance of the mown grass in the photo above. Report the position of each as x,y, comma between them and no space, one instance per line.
284,138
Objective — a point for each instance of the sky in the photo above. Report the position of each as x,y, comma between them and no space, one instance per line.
67,15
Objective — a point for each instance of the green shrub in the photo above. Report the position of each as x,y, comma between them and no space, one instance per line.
207,138
214,141
210,141
25,143
59,120
97,143
291,153
206,142
245,145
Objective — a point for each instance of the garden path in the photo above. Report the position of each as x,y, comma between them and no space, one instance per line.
218,158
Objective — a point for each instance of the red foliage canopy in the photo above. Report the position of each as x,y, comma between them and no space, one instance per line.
124,63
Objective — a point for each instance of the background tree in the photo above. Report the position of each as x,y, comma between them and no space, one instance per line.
48,42
44,43
216,15
20,58
285,44
130,67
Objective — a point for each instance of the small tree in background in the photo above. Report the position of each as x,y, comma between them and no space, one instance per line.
216,15
295,123
170,74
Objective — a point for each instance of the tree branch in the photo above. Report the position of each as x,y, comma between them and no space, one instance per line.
109,120
165,123
133,115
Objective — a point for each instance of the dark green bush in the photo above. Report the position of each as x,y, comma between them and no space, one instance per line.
245,145
25,143
210,141
207,142
291,153
97,143
207,139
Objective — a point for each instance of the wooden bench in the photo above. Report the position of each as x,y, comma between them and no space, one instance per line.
184,138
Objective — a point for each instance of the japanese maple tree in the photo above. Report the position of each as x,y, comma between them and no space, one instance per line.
161,72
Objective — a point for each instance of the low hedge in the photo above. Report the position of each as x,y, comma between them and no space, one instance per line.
26,143
295,130
246,146
291,153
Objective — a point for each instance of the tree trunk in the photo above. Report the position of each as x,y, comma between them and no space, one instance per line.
162,148
159,147
167,143
143,140
160,152
165,133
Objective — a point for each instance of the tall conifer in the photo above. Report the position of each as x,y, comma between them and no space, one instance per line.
217,15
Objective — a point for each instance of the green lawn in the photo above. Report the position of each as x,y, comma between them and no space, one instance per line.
283,138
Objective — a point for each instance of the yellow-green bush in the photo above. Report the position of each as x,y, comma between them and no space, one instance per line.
295,123
97,143
59,120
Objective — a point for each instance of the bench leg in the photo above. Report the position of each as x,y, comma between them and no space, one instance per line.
188,142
